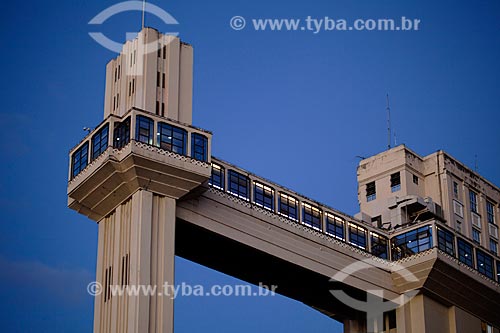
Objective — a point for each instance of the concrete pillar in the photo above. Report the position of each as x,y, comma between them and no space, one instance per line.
136,247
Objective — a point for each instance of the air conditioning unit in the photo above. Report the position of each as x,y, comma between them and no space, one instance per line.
493,229
458,208
476,220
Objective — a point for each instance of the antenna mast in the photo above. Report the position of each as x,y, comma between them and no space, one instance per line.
143,12
388,123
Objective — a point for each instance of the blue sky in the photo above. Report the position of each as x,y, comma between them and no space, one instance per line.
294,107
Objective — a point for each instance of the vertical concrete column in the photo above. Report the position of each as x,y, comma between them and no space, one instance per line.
140,260
162,264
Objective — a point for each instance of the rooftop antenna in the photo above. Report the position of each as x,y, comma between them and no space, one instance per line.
388,123
143,12
395,139
475,162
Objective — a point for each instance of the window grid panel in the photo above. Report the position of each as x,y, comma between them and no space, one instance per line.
79,160
217,178
357,236
238,185
100,142
288,206
335,226
263,196
311,216
465,253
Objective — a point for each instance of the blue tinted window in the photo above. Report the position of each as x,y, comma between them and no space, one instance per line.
263,196
100,142
144,130
446,241
357,236
335,226
287,206
217,177
121,133
311,216
79,160
484,264
238,184
411,242
465,253
379,246
199,147
172,138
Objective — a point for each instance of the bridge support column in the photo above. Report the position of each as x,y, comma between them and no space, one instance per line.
136,257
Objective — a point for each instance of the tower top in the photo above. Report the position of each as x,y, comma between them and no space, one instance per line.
154,72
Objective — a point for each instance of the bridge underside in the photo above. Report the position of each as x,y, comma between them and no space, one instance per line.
249,264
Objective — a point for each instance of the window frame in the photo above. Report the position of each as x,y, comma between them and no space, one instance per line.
395,182
220,176
79,160
371,191
195,147
378,241
473,201
334,224
237,189
285,209
490,212
102,140
446,238
263,195
171,138
359,233
464,256
144,128
314,216
484,266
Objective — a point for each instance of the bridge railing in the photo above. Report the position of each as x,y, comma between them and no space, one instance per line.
389,245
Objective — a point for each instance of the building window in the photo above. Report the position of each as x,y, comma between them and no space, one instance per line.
484,264
158,79
288,206
476,236
415,179
498,271
473,201
493,246
144,130
100,142
395,182
458,226
263,196
446,241
465,253
371,192
311,216
486,328
377,221
217,177
121,134
199,147
79,160
455,189
335,226
411,242
379,246
172,138
490,212
357,235
238,185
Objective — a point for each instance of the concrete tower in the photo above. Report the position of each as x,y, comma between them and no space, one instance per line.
129,180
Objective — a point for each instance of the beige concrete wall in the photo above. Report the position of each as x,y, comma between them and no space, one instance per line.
136,244
132,77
